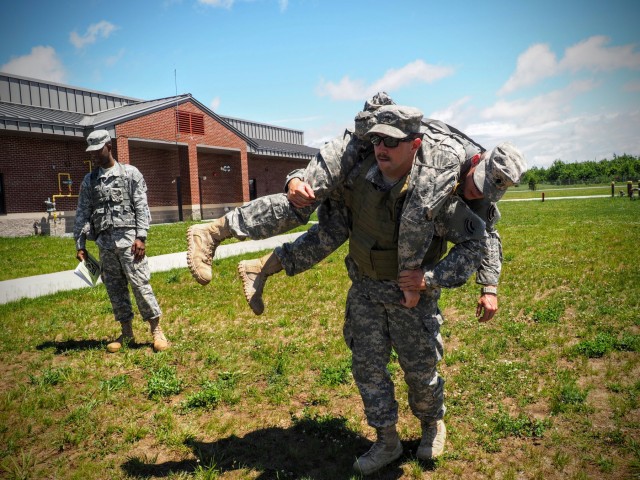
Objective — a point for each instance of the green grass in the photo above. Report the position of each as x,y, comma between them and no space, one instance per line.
548,389
555,191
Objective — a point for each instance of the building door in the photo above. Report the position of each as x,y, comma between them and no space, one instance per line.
3,204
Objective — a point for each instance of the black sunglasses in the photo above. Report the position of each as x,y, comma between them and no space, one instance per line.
389,142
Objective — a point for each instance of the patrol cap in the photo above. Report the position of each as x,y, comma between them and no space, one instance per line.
378,100
502,169
97,139
396,121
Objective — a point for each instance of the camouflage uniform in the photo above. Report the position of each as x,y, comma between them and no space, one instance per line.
439,159
116,225
375,320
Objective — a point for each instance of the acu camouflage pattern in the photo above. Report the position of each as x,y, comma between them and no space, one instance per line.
114,243
119,270
100,202
375,322
435,174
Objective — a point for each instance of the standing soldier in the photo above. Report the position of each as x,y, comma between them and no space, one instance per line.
113,211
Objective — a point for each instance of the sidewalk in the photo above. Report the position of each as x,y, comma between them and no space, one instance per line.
39,285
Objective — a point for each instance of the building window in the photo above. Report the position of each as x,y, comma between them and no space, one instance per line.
190,122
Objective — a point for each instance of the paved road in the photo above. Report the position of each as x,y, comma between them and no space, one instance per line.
38,285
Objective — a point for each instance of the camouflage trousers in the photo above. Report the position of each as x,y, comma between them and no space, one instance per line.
118,271
318,242
376,322
266,216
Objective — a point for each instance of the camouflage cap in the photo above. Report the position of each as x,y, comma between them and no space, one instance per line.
396,121
377,101
497,172
97,139
364,120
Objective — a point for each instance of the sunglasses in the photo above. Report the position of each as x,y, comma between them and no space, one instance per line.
389,142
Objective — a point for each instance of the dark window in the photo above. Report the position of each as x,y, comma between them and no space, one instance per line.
252,189
190,122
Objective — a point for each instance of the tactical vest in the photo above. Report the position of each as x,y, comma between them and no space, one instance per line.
111,205
373,243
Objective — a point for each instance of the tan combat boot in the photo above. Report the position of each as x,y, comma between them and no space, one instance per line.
434,435
386,449
160,342
253,274
202,241
126,338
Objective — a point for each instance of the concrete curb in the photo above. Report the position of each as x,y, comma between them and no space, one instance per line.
39,285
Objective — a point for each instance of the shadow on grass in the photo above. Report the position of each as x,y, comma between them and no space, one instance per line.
69,345
311,449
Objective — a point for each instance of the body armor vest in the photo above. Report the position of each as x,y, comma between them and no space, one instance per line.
375,214
111,204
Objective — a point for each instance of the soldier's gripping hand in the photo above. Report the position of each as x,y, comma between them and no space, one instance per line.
487,307
411,282
81,255
300,193
138,250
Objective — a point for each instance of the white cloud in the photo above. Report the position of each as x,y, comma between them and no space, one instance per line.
540,109
456,110
42,63
414,72
536,63
101,29
218,3
214,104
539,62
284,4
593,54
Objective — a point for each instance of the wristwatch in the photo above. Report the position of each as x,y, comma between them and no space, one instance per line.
489,289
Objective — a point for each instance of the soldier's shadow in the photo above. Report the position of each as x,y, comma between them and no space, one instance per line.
80,345
314,450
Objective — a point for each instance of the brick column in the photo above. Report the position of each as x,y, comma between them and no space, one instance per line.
193,181
244,168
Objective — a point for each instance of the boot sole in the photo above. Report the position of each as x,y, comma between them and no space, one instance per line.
242,272
192,268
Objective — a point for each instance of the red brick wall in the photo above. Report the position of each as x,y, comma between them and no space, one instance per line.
271,172
30,166
160,168
220,186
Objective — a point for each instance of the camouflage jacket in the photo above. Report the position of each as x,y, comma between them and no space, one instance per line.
107,179
442,156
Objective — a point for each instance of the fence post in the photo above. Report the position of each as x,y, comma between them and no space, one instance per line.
630,189
543,196
613,189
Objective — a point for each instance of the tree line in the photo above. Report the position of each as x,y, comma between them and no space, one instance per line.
619,169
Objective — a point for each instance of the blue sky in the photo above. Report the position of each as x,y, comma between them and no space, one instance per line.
560,79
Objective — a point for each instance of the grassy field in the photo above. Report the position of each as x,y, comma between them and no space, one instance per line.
555,191
550,389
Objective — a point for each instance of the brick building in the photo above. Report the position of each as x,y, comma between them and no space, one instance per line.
197,164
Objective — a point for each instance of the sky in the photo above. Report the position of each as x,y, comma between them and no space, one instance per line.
560,79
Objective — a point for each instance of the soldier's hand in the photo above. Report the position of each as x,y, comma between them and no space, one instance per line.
300,193
487,307
411,298
411,280
81,255
138,250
